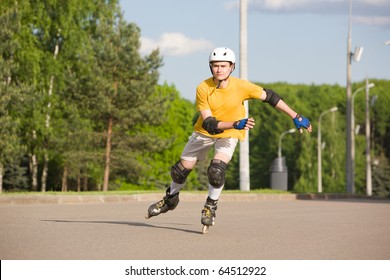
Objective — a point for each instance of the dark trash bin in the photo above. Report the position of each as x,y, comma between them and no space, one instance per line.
279,174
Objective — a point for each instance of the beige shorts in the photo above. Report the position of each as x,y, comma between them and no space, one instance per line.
198,146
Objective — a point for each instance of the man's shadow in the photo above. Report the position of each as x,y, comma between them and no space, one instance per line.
133,224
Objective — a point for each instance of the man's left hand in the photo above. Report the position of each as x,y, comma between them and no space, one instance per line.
302,122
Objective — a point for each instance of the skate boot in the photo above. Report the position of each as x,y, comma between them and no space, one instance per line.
169,202
208,214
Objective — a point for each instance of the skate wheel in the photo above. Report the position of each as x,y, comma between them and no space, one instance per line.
147,216
205,229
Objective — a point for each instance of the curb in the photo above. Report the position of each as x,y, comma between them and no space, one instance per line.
107,198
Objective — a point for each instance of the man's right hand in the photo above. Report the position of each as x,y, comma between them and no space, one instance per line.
246,124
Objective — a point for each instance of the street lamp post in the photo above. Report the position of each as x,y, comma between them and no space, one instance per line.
319,148
356,56
366,87
279,174
280,140
368,147
368,136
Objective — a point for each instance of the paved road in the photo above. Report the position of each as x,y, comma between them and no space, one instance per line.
269,229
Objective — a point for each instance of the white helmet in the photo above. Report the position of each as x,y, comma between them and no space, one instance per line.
222,54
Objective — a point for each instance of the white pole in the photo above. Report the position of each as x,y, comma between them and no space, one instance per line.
349,130
319,156
319,149
244,145
368,148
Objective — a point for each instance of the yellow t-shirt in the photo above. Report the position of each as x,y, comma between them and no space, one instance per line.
226,105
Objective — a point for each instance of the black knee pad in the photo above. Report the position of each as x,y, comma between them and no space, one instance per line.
216,173
179,173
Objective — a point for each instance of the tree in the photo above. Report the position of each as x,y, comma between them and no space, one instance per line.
299,150
169,138
12,93
380,145
125,83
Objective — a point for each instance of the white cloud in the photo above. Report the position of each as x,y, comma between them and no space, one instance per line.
359,7
174,44
314,5
277,5
381,21
375,12
297,6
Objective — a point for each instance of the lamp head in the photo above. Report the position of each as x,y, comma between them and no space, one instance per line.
358,54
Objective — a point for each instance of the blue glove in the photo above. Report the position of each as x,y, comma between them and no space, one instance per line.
240,124
301,121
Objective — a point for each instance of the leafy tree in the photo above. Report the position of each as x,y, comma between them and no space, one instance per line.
170,137
299,150
11,97
125,84
76,96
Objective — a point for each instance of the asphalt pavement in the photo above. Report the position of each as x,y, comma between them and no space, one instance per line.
247,228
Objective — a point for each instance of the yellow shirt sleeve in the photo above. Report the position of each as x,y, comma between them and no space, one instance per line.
202,92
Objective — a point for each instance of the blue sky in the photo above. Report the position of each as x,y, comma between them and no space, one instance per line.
294,41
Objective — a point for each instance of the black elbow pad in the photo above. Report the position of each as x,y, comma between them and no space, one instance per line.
272,97
210,124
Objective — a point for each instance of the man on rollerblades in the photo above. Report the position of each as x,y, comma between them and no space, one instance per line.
221,123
